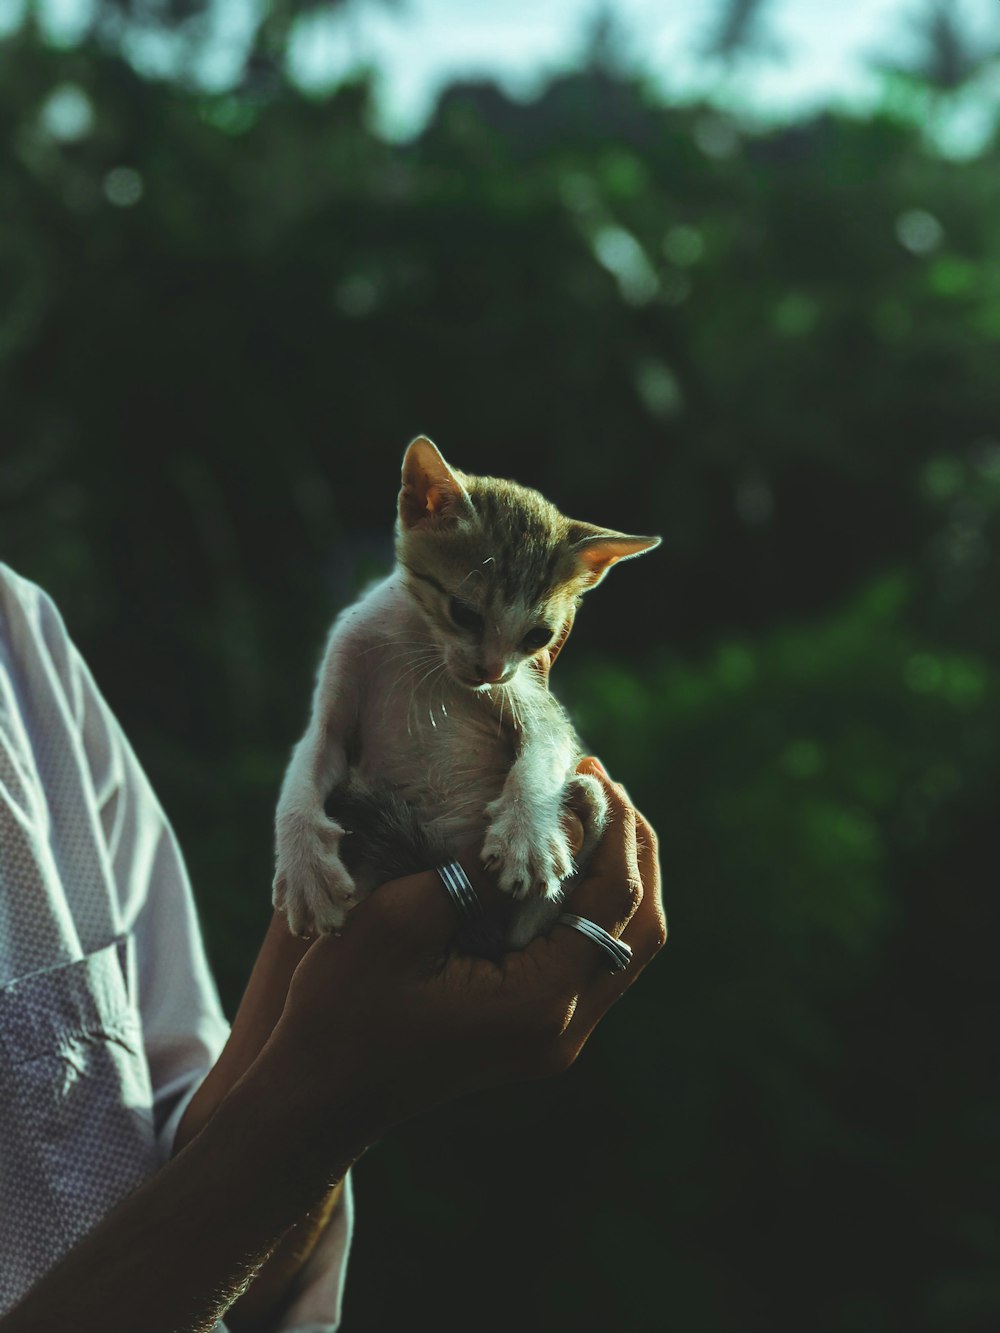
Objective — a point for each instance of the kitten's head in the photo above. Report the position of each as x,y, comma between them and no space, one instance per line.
495,569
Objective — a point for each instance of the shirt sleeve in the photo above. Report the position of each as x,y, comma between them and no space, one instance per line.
184,1028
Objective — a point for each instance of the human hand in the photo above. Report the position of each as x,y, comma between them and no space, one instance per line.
388,1019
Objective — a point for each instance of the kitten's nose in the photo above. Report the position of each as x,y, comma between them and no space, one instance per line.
488,676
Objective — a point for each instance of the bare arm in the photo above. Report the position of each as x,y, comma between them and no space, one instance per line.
259,1011
173,1256
426,1026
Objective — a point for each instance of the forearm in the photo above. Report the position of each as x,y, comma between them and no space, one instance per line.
258,1013
545,757
173,1256
274,1286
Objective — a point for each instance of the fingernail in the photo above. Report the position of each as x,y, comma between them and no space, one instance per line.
598,767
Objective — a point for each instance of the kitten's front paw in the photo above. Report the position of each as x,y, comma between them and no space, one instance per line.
527,856
311,884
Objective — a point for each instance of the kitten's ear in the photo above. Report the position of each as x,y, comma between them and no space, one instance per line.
430,491
597,549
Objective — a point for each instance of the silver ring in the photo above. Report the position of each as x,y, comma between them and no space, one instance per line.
619,953
461,892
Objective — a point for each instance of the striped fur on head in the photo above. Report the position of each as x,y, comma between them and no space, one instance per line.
496,570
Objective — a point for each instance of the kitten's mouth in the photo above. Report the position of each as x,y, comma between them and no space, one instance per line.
479,686
475,685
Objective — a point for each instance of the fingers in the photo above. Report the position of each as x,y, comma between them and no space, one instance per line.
420,909
611,894
608,895
649,868
612,885
573,828
645,933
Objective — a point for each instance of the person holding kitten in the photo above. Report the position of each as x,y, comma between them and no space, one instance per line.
160,1174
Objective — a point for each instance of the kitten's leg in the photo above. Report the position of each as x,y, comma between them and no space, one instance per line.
585,796
311,882
526,843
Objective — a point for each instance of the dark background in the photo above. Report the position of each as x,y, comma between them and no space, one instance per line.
223,315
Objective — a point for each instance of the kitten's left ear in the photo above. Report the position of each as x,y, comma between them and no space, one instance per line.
597,549
430,490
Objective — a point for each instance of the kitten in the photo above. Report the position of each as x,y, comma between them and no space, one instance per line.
430,725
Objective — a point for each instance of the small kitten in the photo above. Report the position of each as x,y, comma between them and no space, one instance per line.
430,726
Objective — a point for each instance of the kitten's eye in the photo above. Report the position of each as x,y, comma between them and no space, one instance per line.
464,616
536,638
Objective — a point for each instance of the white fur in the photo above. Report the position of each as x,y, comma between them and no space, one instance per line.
493,762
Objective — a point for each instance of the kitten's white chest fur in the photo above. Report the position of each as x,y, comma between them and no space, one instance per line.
447,749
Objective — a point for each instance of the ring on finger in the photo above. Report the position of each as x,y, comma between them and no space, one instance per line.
460,891
618,952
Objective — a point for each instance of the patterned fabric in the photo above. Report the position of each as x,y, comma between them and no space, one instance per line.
109,1018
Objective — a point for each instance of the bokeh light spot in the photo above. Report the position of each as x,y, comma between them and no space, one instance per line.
796,315
919,231
123,187
623,256
658,388
953,277
67,113
623,175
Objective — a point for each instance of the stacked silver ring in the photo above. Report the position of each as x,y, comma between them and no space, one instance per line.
619,953
461,892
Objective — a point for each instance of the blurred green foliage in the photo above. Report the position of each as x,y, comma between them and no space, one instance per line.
222,317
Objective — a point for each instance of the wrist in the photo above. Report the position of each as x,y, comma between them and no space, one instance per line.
324,1120
259,1011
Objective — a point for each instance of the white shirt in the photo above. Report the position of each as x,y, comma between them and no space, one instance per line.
109,1018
